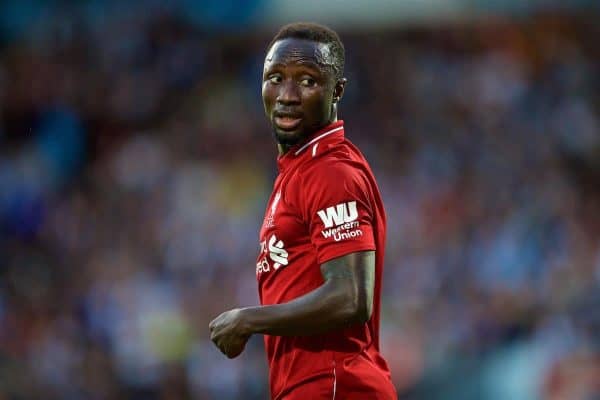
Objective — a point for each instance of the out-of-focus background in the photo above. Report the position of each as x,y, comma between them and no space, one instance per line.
135,165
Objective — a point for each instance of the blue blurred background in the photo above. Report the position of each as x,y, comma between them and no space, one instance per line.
135,165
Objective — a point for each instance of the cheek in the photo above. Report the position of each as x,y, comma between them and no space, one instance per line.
319,105
268,97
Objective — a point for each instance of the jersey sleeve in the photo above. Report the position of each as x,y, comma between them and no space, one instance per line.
338,206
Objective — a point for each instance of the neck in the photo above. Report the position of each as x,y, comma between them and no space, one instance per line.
284,148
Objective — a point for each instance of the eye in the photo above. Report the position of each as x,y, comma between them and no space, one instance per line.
309,82
275,79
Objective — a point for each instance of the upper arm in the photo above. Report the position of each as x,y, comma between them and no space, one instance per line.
338,208
354,275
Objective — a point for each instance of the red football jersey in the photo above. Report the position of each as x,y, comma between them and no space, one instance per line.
325,204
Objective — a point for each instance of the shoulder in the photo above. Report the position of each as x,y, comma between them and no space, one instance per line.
332,178
333,166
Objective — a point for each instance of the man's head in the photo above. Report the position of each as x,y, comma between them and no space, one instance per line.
302,80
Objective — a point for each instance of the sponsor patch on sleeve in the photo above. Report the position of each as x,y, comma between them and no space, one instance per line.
340,221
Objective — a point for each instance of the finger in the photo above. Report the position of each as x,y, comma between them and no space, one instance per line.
217,339
230,352
224,349
214,322
216,331
233,354
235,351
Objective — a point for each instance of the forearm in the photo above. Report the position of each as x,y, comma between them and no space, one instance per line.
329,307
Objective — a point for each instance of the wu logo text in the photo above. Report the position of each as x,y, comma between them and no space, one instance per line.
339,214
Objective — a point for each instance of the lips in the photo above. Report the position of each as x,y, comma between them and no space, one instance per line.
287,121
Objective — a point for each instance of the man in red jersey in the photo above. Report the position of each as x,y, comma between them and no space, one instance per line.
322,240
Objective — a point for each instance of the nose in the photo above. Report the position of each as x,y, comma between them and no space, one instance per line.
288,93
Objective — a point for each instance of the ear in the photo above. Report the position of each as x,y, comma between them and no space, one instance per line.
338,90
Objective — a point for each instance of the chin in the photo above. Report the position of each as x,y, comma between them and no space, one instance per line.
288,138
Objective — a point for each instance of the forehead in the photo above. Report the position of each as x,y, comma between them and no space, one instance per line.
299,51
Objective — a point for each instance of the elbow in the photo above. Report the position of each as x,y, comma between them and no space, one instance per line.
363,311
352,305
362,307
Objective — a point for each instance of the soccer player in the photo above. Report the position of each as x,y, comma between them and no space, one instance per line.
322,240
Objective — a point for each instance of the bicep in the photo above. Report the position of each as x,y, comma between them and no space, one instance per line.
355,273
357,266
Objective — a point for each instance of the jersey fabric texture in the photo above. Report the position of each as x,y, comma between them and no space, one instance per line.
325,204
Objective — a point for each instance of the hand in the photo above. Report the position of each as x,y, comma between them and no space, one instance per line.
228,333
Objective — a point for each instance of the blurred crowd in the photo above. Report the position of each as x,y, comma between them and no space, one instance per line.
135,166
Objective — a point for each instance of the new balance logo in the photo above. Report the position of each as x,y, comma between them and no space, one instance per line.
342,213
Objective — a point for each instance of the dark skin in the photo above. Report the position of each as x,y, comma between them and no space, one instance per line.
300,94
299,82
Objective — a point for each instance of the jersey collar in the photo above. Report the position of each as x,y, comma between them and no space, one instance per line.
323,136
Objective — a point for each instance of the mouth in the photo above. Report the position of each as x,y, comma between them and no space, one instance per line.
287,122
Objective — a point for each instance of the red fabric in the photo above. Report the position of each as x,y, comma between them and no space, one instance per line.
325,204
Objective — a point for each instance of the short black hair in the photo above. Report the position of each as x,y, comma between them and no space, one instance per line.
316,33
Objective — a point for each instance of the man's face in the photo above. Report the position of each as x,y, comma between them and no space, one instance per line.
297,89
